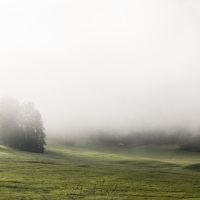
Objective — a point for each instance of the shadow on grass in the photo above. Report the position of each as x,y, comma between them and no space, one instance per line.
194,167
150,164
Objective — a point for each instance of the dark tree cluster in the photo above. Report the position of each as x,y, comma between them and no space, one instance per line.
21,126
190,142
186,140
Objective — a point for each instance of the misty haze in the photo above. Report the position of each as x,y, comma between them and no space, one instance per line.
87,86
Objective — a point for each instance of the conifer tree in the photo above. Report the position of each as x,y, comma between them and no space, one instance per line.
21,126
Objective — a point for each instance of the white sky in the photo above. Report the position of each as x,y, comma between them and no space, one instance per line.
104,63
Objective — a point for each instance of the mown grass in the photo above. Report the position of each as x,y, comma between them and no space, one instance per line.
100,172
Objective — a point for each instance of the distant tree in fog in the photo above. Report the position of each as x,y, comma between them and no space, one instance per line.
10,122
190,142
32,127
21,126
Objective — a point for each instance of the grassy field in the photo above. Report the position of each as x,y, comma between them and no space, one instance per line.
97,172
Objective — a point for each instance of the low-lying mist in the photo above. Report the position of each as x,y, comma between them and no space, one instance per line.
104,68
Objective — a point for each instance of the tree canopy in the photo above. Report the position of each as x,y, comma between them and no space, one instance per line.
21,126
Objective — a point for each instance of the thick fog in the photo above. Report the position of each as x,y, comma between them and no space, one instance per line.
103,65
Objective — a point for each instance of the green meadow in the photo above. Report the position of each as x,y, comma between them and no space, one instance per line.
100,172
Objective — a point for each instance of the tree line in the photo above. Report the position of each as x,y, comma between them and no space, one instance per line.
21,125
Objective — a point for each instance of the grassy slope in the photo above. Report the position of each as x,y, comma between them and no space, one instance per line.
95,172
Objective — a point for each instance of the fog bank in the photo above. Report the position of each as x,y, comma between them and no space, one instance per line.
111,65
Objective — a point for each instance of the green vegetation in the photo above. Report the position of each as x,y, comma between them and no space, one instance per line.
100,172
21,126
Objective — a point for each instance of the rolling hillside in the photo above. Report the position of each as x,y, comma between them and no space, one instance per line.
99,172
